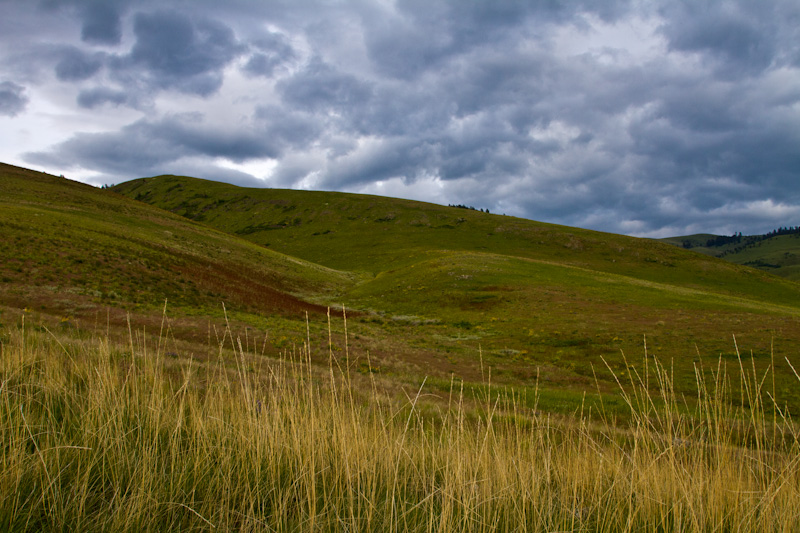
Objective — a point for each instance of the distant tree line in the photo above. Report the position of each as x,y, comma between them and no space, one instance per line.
722,240
789,230
468,207
744,240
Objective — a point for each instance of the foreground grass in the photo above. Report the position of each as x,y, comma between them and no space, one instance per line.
97,436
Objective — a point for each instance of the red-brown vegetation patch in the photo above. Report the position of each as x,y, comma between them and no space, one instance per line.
246,288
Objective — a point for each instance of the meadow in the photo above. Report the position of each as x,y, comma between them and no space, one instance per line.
101,434
184,355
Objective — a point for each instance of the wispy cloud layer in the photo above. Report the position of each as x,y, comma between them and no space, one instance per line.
648,118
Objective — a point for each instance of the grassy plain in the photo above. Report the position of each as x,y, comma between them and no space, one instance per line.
430,290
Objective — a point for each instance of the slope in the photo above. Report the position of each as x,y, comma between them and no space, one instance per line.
371,234
531,298
70,248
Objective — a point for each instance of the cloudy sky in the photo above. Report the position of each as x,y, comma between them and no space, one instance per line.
643,118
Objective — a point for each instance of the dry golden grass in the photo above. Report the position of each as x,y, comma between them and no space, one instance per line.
104,437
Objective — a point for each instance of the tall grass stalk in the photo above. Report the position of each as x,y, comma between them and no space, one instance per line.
98,436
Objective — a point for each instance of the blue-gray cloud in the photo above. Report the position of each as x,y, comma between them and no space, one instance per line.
98,96
149,145
736,37
12,99
662,116
174,50
320,87
271,51
76,65
102,21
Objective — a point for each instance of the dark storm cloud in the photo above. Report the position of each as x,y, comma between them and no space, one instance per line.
76,65
738,37
418,35
170,43
192,134
101,20
624,116
177,51
730,35
398,110
295,129
102,23
722,134
12,99
320,87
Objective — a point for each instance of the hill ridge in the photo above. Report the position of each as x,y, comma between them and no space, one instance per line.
60,219
370,233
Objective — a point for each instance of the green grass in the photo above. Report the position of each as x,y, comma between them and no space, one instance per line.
371,235
492,374
101,435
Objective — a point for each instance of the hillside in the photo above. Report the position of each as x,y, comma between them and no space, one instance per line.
531,297
372,235
81,254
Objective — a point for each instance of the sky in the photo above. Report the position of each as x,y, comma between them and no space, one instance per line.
644,118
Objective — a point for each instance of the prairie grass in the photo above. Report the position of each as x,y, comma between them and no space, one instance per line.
98,436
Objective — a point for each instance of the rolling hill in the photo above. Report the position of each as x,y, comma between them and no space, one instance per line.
372,235
85,255
470,336
532,297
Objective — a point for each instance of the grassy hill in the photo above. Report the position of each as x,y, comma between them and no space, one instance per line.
778,254
372,235
532,297
83,255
